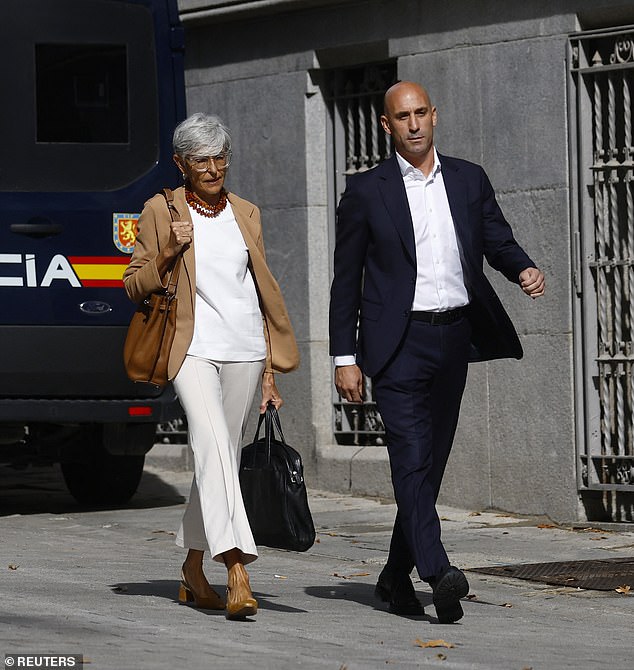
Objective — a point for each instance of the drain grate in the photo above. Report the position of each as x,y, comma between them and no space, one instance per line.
601,575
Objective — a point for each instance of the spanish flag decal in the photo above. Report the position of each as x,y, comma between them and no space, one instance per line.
99,270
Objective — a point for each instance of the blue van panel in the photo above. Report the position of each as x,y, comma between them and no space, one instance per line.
64,310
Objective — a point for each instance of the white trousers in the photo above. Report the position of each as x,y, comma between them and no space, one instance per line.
216,397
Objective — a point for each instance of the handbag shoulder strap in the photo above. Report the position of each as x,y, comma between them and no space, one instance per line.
168,194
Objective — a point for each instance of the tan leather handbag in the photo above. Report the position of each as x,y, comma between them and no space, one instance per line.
151,331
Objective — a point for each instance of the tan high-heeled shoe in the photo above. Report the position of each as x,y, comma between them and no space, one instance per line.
240,607
240,600
209,602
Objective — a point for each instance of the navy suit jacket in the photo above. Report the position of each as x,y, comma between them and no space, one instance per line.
375,263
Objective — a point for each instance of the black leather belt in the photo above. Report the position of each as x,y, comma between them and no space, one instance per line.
439,318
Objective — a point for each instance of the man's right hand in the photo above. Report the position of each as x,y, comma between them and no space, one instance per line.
349,382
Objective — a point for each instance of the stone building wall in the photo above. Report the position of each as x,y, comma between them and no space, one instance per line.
497,73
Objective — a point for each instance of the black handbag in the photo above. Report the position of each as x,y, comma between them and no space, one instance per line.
273,489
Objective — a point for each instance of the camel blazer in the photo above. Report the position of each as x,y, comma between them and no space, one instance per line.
142,278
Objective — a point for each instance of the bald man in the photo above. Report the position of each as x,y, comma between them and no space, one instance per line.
411,238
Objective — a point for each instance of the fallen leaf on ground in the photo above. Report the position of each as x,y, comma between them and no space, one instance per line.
625,590
506,605
355,574
441,657
472,596
433,643
546,525
589,529
13,566
317,540
475,514
602,537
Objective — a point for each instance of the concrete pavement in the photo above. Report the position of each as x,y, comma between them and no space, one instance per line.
104,583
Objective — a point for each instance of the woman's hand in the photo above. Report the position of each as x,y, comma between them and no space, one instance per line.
270,393
181,233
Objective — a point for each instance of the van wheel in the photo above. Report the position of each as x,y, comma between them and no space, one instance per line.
103,479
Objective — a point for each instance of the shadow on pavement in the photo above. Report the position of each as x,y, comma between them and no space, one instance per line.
41,489
168,589
363,594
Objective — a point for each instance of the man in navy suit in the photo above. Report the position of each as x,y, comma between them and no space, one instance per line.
410,307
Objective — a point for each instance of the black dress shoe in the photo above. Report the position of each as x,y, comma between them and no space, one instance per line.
399,593
448,588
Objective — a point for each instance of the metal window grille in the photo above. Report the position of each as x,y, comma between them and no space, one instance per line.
602,75
172,432
355,100
357,94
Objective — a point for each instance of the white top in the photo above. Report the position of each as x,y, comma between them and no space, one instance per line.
227,318
439,281
439,278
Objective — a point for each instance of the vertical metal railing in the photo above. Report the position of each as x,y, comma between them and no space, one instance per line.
172,432
603,71
355,98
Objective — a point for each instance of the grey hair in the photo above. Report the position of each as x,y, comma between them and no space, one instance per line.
201,135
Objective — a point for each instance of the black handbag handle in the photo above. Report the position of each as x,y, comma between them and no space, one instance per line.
271,421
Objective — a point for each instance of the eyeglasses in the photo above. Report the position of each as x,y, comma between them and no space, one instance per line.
202,163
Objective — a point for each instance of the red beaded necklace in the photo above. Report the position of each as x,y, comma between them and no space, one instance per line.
204,208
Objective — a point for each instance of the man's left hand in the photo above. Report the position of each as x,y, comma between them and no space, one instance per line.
532,282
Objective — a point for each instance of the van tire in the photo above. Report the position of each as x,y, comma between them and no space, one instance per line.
103,479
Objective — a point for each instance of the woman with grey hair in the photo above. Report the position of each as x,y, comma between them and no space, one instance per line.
232,334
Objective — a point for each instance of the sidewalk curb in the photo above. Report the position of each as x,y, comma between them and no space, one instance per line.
174,457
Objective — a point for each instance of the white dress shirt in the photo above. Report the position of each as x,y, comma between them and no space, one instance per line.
440,282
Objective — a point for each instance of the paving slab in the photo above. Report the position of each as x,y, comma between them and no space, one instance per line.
104,583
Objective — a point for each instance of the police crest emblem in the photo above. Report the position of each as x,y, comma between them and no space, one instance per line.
124,230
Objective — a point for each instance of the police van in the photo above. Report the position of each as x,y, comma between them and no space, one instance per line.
93,89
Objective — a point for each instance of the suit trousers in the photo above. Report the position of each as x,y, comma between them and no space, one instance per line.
216,397
418,395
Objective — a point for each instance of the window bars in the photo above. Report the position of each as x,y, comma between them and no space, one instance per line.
356,97
602,68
